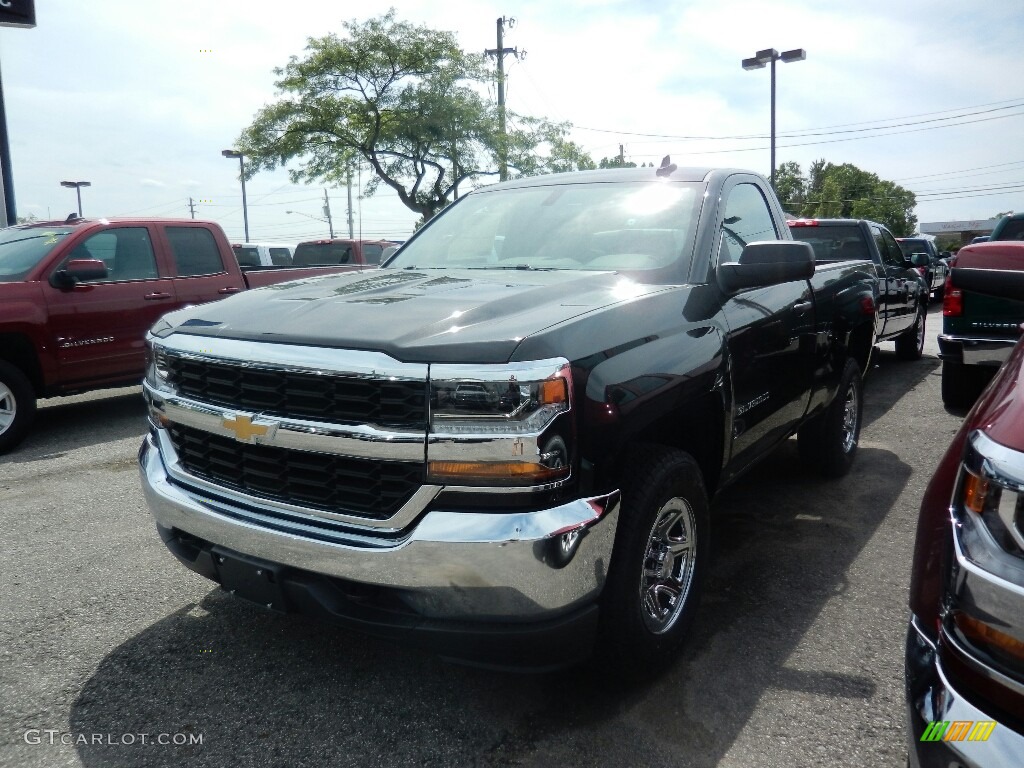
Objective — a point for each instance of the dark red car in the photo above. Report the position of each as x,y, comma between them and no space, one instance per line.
965,644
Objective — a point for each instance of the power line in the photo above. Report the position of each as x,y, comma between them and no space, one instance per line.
964,170
826,129
848,138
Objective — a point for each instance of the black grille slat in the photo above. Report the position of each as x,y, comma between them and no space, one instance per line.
332,398
366,487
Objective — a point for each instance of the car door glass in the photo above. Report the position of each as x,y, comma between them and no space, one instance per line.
893,254
195,251
127,252
747,219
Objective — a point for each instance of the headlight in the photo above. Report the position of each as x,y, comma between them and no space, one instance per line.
157,373
500,425
991,507
493,407
985,592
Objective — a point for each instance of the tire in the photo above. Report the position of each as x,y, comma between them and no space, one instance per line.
910,345
17,406
961,384
828,443
658,565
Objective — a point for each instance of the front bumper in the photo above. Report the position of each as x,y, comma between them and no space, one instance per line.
975,351
454,572
932,698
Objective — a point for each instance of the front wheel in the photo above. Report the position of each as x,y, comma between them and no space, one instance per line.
658,565
910,345
17,406
828,442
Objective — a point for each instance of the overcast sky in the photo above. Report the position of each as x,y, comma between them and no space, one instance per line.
140,96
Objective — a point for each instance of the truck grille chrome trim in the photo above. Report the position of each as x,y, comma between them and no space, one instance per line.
323,385
353,440
179,473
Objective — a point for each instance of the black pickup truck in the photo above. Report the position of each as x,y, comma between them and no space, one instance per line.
503,444
903,291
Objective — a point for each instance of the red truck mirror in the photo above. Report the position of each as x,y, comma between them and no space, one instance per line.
78,270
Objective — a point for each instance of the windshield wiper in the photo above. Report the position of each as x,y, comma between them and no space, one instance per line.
523,267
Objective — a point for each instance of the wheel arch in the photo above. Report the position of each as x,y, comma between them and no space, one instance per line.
17,349
698,428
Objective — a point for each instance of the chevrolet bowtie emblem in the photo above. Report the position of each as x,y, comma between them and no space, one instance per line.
244,429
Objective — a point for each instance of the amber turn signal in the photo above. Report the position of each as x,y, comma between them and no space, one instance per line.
975,491
493,472
982,634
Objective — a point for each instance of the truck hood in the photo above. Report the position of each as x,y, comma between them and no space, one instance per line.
436,315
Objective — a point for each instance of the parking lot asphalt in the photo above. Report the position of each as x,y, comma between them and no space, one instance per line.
796,658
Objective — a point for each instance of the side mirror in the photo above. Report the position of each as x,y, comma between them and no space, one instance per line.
767,263
920,260
77,270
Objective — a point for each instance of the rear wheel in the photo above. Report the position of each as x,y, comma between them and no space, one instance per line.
658,566
828,443
910,345
17,406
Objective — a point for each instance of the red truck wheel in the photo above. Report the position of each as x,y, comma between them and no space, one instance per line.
17,406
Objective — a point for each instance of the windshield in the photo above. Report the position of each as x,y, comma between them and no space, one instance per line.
637,226
21,249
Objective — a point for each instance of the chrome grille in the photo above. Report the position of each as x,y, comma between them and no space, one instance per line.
365,487
332,398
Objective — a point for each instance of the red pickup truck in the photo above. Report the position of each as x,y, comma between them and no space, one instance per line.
77,297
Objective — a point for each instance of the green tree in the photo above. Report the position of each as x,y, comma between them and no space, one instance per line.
846,191
615,162
790,185
405,99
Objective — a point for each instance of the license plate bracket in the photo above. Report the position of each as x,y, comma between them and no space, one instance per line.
250,579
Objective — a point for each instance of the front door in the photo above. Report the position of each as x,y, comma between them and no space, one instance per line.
772,366
98,326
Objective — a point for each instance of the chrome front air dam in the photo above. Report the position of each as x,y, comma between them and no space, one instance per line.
465,565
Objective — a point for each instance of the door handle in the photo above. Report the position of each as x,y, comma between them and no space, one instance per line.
156,296
801,307
229,289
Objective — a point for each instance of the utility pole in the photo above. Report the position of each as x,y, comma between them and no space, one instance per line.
192,207
327,213
499,53
351,229
622,156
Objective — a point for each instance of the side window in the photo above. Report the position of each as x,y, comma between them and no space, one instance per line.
893,254
195,251
280,257
747,219
247,256
372,253
127,252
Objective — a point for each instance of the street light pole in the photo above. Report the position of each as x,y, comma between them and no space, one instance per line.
759,61
77,186
241,173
